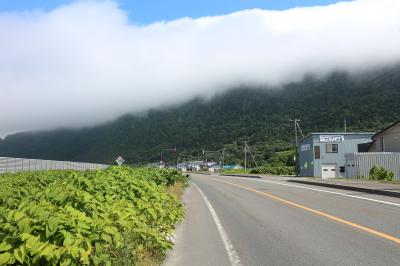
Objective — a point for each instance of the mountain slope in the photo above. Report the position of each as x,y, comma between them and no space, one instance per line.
260,115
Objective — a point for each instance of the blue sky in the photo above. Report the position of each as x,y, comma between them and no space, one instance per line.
147,11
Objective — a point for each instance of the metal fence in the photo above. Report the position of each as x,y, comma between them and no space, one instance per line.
13,165
366,160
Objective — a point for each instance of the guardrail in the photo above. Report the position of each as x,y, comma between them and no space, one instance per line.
13,165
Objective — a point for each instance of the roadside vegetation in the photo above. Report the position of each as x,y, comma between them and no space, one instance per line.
266,169
116,216
274,170
380,174
281,163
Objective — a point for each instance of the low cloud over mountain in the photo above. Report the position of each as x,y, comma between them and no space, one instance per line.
85,63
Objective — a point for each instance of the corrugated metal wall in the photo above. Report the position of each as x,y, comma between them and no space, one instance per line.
13,165
366,160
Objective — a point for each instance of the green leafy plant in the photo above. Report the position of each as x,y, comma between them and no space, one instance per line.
103,217
380,173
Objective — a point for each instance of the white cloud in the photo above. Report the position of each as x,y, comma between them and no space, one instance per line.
84,63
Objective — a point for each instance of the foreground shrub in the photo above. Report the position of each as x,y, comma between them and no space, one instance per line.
165,176
104,217
380,173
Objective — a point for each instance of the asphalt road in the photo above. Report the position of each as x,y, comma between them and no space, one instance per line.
246,221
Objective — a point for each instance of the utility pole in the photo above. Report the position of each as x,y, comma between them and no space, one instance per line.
296,126
245,156
223,158
247,149
345,125
252,157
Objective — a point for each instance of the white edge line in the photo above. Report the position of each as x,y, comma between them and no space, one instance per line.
233,257
321,190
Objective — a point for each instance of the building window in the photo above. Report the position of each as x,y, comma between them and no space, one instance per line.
331,148
317,152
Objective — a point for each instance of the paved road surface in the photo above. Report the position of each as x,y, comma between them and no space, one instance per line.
246,221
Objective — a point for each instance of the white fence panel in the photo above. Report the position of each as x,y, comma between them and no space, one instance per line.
13,165
366,160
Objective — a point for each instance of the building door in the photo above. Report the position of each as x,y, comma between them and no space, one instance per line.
329,170
351,171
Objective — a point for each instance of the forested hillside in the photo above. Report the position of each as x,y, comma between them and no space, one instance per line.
261,116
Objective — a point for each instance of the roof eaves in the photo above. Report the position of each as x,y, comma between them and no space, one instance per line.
386,129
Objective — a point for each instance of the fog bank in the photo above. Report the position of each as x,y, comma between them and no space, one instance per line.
85,63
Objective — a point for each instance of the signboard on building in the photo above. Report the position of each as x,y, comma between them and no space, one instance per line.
331,138
305,147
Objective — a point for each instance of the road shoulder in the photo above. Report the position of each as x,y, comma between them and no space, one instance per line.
197,239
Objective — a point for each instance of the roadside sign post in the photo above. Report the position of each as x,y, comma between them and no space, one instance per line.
119,160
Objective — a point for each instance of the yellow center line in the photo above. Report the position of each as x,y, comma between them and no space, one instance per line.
326,215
